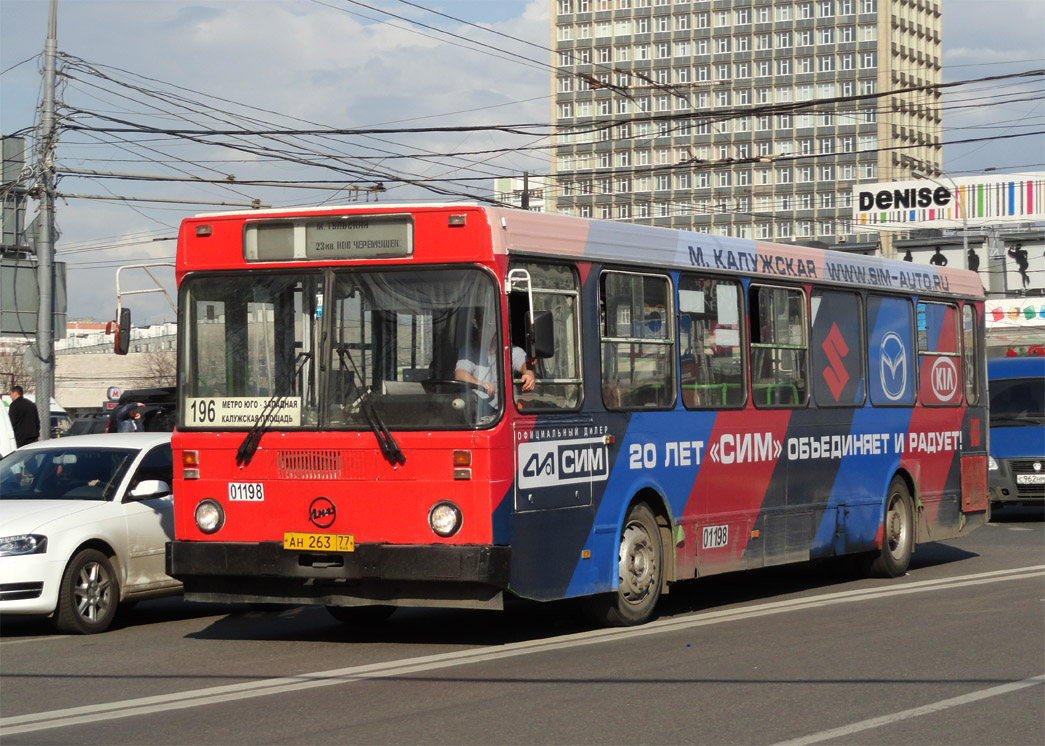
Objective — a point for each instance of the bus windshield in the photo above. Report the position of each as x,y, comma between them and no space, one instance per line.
420,348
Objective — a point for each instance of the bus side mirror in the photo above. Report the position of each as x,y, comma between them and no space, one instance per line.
122,329
541,335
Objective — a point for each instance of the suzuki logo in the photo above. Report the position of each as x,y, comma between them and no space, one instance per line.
944,377
835,348
322,513
893,367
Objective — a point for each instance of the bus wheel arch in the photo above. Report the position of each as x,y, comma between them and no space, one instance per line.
899,530
645,562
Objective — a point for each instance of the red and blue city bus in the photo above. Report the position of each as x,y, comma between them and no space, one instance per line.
699,405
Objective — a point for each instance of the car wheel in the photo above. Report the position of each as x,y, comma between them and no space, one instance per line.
640,574
361,615
88,596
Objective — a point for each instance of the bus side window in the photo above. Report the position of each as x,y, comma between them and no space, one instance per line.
940,379
837,348
637,342
711,360
556,289
778,346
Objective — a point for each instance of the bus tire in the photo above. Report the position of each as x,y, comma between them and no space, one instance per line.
88,595
640,573
892,560
361,615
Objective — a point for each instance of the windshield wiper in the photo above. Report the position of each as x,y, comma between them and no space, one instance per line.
250,443
389,448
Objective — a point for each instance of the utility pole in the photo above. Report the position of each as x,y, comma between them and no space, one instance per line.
45,239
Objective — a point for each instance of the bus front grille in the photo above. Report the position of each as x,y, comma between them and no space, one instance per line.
308,464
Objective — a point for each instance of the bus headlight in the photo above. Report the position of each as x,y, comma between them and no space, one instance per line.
445,519
992,465
209,516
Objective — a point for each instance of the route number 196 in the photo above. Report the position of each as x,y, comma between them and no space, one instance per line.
201,412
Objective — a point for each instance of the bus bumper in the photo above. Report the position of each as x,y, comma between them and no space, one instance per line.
383,574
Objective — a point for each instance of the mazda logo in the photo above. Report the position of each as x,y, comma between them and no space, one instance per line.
322,513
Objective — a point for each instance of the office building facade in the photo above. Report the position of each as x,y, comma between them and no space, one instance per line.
744,118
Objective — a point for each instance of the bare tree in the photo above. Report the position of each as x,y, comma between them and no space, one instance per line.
161,367
13,373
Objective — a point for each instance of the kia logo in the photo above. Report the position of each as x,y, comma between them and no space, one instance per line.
322,513
944,377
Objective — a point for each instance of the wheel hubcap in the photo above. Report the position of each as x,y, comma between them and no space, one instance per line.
896,527
638,564
92,592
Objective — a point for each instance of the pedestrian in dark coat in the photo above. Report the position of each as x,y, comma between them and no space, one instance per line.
25,420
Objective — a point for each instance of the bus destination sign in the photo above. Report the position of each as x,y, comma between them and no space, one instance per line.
358,237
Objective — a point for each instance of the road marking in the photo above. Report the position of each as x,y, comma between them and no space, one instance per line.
943,704
94,713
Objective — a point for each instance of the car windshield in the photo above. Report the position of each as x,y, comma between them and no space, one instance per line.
1017,402
63,473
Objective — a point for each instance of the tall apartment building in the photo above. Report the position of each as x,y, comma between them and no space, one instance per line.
741,118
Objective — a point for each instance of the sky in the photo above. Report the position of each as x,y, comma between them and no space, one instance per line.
347,64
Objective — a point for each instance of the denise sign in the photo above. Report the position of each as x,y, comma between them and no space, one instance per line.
952,203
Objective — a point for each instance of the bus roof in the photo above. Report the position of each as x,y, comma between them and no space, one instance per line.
523,232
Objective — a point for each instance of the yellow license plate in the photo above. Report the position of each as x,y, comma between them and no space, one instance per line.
319,542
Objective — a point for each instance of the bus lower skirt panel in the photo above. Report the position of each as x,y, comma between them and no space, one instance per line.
439,576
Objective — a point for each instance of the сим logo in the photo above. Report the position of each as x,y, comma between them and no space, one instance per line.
540,464
893,366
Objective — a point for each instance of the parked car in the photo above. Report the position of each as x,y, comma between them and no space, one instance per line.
85,521
159,412
89,424
1017,412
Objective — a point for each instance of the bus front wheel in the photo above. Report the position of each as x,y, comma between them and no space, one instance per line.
892,560
640,573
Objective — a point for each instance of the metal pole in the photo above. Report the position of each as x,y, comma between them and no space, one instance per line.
45,241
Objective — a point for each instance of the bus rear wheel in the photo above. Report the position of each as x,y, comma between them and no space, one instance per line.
892,560
640,573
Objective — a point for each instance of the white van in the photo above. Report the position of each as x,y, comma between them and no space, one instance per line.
60,422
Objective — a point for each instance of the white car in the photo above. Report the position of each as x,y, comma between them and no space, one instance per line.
84,523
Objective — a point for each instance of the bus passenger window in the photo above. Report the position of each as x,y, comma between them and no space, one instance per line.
638,369
557,379
940,380
778,347
838,349
711,360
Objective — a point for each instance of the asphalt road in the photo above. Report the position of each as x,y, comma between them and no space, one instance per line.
952,653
